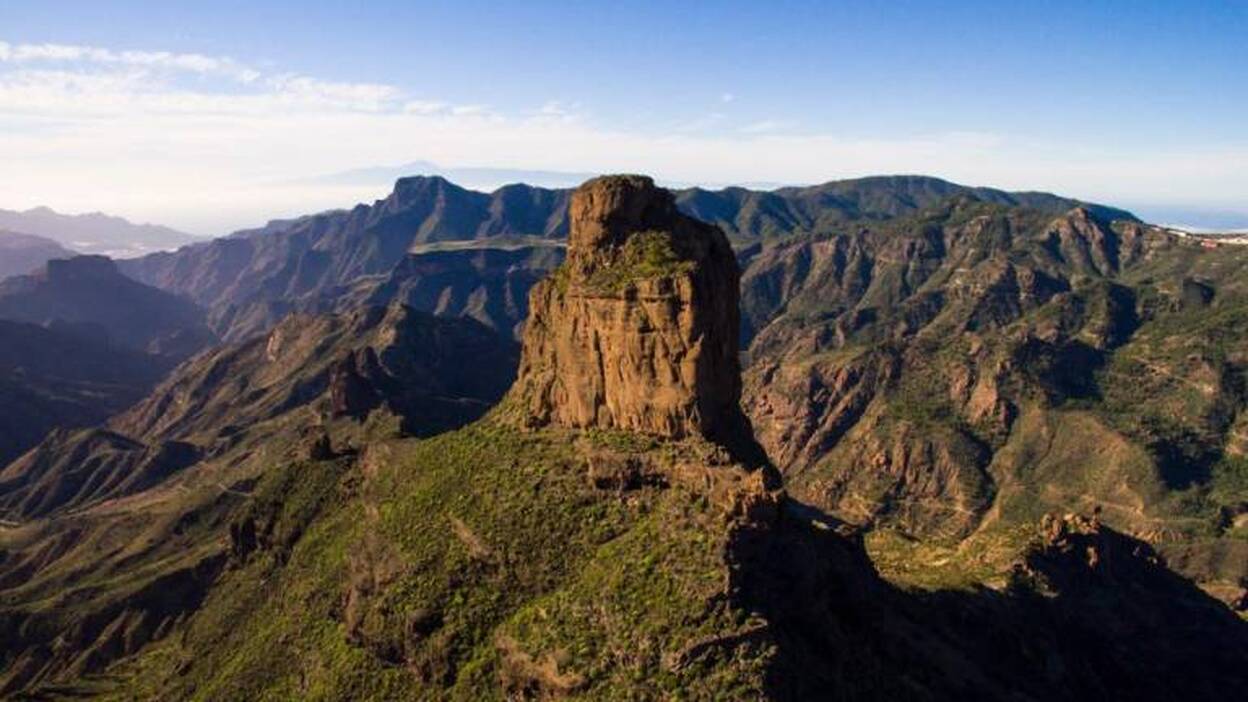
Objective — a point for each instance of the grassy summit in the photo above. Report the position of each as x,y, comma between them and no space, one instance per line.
644,256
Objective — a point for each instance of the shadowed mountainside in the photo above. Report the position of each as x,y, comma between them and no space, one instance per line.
52,379
433,373
304,258
87,294
111,535
489,284
429,374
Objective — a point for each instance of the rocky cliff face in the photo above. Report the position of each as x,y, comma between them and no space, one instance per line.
638,330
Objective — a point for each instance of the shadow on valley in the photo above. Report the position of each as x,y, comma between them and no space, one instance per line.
1185,460
1088,613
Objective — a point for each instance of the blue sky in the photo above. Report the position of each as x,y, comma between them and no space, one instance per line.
207,115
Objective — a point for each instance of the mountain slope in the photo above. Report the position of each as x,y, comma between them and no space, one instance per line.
75,468
23,253
433,373
751,215
487,283
334,248
971,367
490,285
421,371
109,537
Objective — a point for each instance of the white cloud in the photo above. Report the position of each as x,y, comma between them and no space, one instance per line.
56,52
199,142
425,107
354,96
704,123
560,108
558,112
766,126
469,110
727,97
67,53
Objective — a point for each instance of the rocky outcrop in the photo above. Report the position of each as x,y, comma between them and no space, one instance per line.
638,329
350,392
1090,245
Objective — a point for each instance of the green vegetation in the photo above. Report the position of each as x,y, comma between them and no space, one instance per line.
1230,479
983,560
644,256
466,566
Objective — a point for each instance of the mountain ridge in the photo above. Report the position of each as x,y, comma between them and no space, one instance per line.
94,232
297,261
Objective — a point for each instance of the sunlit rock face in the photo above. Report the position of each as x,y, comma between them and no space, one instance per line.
638,329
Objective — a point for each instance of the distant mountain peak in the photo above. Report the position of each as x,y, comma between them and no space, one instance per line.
95,232
420,184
